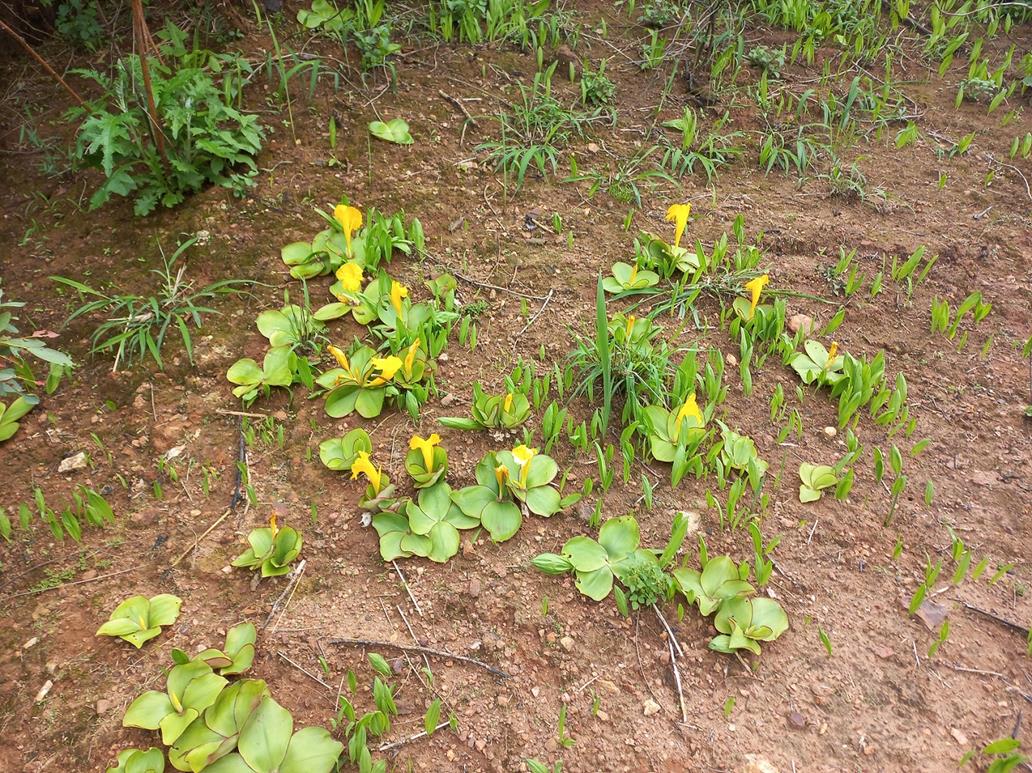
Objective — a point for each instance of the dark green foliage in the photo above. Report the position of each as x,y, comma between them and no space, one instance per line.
206,138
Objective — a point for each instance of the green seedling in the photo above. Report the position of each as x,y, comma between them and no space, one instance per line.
234,658
628,279
342,452
139,761
596,563
190,689
814,479
139,619
506,411
272,549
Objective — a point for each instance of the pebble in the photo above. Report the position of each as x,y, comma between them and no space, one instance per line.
73,462
44,690
796,720
567,643
799,322
650,707
830,431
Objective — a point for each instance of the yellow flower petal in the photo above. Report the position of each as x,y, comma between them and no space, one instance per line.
350,276
678,215
339,356
426,447
755,287
523,455
363,466
272,525
690,408
832,351
634,274
350,220
398,291
628,329
388,366
507,402
501,475
410,358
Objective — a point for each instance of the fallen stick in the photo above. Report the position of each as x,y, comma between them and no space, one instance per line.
395,744
207,531
458,103
419,648
43,62
531,321
233,501
677,679
670,633
292,584
408,590
1002,621
66,584
305,671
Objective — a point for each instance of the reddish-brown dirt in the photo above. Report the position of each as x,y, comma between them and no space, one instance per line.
876,702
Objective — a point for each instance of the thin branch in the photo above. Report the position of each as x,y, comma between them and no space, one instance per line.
295,578
418,648
43,62
530,321
395,744
35,591
408,590
306,672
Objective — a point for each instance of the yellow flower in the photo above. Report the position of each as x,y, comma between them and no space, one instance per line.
690,408
426,447
631,319
387,366
501,475
363,466
350,276
410,358
272,525
678,214
832,351
523,455
507,403
634,274
755,287
350,220
398,291
339,356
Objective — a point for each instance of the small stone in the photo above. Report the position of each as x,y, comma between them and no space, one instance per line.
103,706
535,691
796,720
593,147
601,716
959,737
799,322
474,587
567,643
650,707
73,462
502,700
754,763
31,643
731,360
608,686
448,399
44,690
830,431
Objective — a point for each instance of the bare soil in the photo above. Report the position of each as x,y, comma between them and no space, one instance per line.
877,702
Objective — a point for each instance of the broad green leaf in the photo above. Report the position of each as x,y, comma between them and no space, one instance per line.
264,740
395,130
